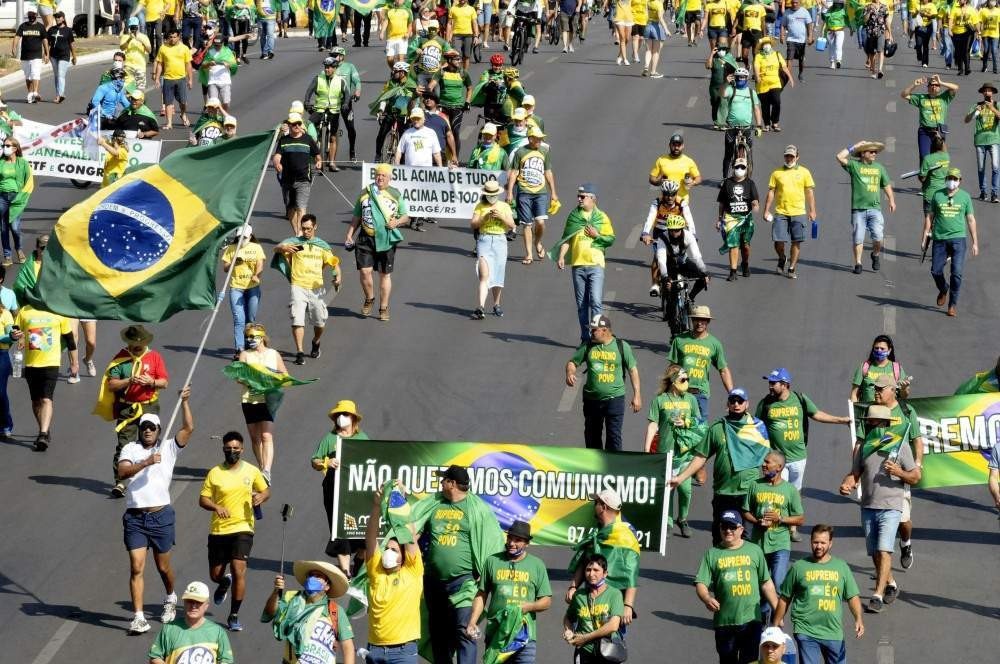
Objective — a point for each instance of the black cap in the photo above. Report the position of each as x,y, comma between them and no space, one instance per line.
459,474
520,529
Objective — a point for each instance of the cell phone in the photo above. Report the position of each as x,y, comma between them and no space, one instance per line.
299,247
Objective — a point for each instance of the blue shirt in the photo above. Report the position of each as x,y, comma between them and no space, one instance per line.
795,24
8,300
994,461
567,6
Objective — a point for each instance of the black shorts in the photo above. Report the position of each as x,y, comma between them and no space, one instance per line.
41,381
692,17
224,548
345,547
751,37
871,45
638,30
366,256
256,412
795,51
317,118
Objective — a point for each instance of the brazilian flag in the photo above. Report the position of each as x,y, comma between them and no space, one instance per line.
363,6
145,247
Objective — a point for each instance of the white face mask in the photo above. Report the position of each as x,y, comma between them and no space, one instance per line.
343,421
8,151
390,559
740,171
951,184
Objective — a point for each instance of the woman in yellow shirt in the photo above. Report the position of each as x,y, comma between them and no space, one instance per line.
923,30
962,21
117,160
770,65
491,220
244,286
989,32
623,20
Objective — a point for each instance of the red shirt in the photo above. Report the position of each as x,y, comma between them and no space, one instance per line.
151,363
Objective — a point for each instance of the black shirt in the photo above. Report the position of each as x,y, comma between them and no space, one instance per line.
129,120
737,197
32,35
297,157
59,41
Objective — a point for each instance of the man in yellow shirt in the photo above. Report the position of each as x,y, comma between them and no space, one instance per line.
716,20
233,492
137,49
42,336
463,30
154,12
396,30
790,190
678,167
693,21
173,66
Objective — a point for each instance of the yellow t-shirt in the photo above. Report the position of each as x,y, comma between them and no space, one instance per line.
491,223
169,7
654,9
675,168
789,185
6,321
962,19
693,6
233,489
734,8
462,19
990,21
717,13
753,17
243,272
928,12
42,345
307,266
398,23
174,60
154,9
623,12
581,246
912,6
394,600
640,14
768,67
135,55
115,165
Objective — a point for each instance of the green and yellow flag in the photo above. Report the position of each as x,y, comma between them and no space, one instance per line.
145,247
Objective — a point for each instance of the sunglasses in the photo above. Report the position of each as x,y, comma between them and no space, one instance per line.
295,124
879,389
146,426
727,526
681,379
9,145
255,336
736,400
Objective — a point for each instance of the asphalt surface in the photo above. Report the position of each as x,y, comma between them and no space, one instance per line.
431,373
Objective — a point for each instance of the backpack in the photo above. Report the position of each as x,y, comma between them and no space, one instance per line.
770,398
621,354
866,365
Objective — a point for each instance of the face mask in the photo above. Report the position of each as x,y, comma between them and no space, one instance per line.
313,585
515,553
740,171
488,144
722,51
231,457
741,84
767,50
253,343
770,475
390,559
681,387
519,131
951,184
490,199
791,164
8,151
598,584
343,421
879,354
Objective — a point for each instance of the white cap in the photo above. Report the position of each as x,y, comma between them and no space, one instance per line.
149,417
529,100
489,128
297,107
417,112
229,120
197,591
213,101
245,230
610,498
773,635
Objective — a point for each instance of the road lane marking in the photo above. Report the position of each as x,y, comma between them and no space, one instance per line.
885,653
526,75
553,58
633,237
890,143
889,320
692,101
891,107
889,247
56,642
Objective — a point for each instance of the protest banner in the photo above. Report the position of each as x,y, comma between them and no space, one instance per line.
443,193
958,433
549,487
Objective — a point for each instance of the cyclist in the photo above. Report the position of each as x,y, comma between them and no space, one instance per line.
490,93
393,105
677,256
524,10
349,73
331,92
654,230
739,108
428,54
454,87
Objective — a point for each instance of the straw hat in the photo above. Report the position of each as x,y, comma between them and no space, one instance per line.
338,582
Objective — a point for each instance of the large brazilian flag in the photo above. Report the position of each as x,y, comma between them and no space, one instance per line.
364,6
144,248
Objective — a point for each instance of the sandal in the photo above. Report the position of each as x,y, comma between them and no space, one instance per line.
383,314
366,308
540,250
526,261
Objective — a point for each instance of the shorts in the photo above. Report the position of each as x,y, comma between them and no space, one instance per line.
566,22
462,44
532,207
32,69
655,32
396,47
317,119
871,45
365,255
296,194
788,228
345,547
795,51
308,304
254,413
144,530
880,529
175,90
692,17
870,220
794,472
907,505
45,11
624,24
750,38
41,382
224,548
715,33
223,93
638,30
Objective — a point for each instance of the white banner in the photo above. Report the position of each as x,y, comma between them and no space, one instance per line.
441,193
65,156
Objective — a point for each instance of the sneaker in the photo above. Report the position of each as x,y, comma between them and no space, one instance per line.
383,315
497,311
656,75
300,358
222,590
982,195
876,262
138,625
169,612
792,274
244,59
73,379
875,604
645,72
654,290
795,535
833,65
478,314
267,476
270,56
685,528
91,367
234,624
994,198
118,490
7,262
780,269
838,64
906,559
366,307
746,270
42,441
571,49
891,593
858,269
21,257
315,351
732,275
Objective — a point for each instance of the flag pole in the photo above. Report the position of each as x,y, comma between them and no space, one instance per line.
225,286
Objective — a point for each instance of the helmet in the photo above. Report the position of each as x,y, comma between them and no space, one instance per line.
742,73
401,66
329,62
496,59
676,222
670,187
338,51
511,72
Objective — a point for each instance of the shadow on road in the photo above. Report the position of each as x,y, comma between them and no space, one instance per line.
903,304
690,621
925,601
218,353
527,338
825,496
436,248
443,308
953,501
76,614
82,483
667,576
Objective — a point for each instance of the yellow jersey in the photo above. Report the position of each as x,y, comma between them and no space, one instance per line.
115,165
675,168
768,68
462,18
394,600
789,185
244,272
307,265
490,222
962,20
753,17
174,61
154,9
398,21
6,322
989,22
640,13
233,489
42,331
718,12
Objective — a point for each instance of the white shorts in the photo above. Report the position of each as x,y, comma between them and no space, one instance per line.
224,93
32,69
794,472
44,10
396,47
308,305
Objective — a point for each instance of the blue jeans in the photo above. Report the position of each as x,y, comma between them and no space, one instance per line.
702,400
994,155
5,370
59,70
9,226
777,565
268,28
940,251
947,48
191,29
924,139
990,51
404,654
819,651
525,655
244,305
588,286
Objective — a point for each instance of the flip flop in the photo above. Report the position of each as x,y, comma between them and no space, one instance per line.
526,261
540,250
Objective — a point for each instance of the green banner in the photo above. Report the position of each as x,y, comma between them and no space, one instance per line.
958,433
549,487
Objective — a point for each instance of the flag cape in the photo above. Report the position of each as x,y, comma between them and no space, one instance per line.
732,225
105,406
508,635
385,238
747,442
616,542
325,18
575,223
261,380
26,278
396,512
883,439
281,264
363,7
392,91
145,247
982,383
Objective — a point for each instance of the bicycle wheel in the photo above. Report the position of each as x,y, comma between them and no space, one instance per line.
80,184
553,32
389,147
516,47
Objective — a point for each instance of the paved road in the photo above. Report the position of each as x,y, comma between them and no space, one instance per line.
433,374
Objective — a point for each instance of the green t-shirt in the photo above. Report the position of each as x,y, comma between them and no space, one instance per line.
587,615
785,421
450,552
531,165
866,381
933,169
663,410
328,444
725,481
740,105
816,592
933,110
176,642
764,497
510,582
695,355
948,214
8,177
734,576
987,128
867,182
605,369
835,19
452,86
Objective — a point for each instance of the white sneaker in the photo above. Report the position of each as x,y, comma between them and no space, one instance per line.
619,60
654,291
73,379
91,368
833,65
571,49
627,63
139,625
169,612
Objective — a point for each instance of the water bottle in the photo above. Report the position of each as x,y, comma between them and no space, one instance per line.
791,651
815,229
258,513
17,362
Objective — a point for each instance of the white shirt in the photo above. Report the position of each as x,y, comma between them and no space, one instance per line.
418,146
150,487
218,74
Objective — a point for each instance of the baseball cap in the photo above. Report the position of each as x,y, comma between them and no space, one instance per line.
954,174
600,321
197,591
149,417
459,474
133,22
529,100
587,188
432,24
293,118
779,375
417,112
245,231
885,380
773,635
609,497
740,161
535,132
213,101
296,107
137,94
739,392
229,121
519,114
489,128
677,138
792,150
733,517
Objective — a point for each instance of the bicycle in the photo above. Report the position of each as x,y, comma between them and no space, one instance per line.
519,40
391,141
742,149
324,134
552,30
675,302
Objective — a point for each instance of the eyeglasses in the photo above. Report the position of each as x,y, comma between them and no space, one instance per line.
728,526
879,389
255,336
9,145
736,400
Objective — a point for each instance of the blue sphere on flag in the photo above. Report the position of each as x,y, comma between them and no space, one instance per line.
514,507
132,228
